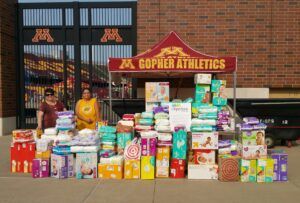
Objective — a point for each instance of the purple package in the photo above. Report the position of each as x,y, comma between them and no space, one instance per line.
224,143
179,127
251,120
224,113
65,113
40,168
148,145
280,166
62,166
245,127
234,153
259,126
160,109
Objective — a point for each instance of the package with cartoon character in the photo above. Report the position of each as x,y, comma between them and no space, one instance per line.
204,156
62,166
254,152
203,171
202,93
265,170
86,165
249,137
248,170
147,167
132,169
205,140
162,162
179,144
157,91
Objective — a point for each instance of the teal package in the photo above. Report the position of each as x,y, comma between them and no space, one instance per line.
216,84
219,101
179,144
123,139
200,92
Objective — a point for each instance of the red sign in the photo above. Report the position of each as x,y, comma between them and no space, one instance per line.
173,55
42,35
111,34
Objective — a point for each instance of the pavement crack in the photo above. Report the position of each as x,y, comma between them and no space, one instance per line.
154,190
91,192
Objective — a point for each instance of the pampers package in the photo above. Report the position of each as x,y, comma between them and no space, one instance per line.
254,152
217,85
62,166
86,165
248,170
265,169
202,93
179,144
147,167
205,140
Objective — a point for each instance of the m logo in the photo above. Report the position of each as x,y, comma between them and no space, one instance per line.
127,64
171,51
111,34
42,34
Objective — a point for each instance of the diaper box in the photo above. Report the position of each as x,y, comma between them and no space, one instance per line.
218,100
147,167
280,166
218,85
132,169
62,166
43,155
254,152
254,137
179,147
162,172
177,169
205,140
202,171
21,156
202,93
229,168
248,170
202,79
86,165
148,145
163,157
265,170
204,156
40,168
110,171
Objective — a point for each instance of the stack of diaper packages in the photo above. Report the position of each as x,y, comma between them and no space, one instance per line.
108,138
225,122
65,120
49,134
148,152
22,151
144,121
204,146
132,155
111,168
125,133
255,165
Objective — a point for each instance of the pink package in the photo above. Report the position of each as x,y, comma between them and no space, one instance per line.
148,145
40,168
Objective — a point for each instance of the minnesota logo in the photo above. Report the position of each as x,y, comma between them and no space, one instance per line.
111,34
171,51
127,64
42,35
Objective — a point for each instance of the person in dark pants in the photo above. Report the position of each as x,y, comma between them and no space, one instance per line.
47,111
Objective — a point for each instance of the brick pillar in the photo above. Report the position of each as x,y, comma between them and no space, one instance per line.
7,67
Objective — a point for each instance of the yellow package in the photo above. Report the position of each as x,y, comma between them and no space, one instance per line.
132,169
110,171
147,167
265,170
163,154
162,172
43,155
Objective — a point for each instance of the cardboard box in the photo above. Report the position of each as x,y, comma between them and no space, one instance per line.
21,156
229,169
147,167
132,169
86,165
43,155
265,170
280,166
177,168
254,137
157,92
204,156
202,93
254,152
219,101
218,85
148,145
163,157
62,166
162,172
202,171
202,79
248,170
205,140
110,171
40,168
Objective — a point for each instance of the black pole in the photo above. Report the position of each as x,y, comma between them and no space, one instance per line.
77,50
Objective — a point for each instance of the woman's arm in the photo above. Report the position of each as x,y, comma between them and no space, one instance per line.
40,119
98,111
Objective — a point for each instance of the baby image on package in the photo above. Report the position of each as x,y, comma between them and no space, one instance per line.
86,165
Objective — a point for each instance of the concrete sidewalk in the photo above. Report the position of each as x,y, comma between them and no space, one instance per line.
23,188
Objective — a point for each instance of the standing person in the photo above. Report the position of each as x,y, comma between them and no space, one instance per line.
47,111
87,111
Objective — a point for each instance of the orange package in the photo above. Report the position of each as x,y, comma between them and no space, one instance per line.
110,171
132,169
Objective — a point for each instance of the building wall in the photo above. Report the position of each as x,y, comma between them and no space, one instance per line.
263,34
7,66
